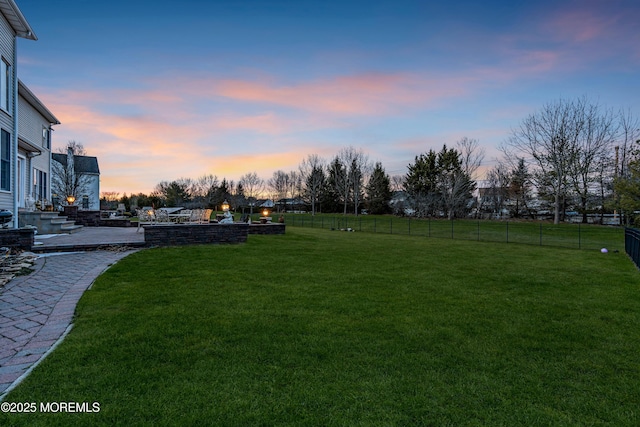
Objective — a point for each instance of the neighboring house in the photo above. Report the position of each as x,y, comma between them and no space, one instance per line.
25,123
84,174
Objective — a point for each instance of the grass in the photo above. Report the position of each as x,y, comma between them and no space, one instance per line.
539,233
339,329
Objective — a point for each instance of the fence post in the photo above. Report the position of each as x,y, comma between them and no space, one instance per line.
507,231
429,220
409,225
374,226
452,229
478,230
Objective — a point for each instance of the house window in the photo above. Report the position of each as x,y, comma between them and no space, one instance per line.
46,137
5,161
5,85
40,185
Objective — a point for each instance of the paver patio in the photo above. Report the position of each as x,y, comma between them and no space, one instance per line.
36,311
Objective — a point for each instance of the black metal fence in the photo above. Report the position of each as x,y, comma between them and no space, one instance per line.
632,244
579,236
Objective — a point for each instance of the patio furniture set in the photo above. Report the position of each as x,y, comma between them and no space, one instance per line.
150,216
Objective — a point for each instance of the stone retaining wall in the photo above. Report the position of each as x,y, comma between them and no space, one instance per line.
20,238
85,218
194,234
115,222
274,228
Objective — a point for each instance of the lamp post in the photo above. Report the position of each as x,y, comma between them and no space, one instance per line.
265,219
71,211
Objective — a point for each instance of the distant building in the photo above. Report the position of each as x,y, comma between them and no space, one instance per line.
85,170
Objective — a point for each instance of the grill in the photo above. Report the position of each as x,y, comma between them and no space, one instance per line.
5,218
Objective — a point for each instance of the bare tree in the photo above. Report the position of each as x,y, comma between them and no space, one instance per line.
253,187
312,173
339,180
629,134
66,178
77,148
356,169
549,139
278,185
204,190
597,132
397,183
497,192
471,156
455,186
294,185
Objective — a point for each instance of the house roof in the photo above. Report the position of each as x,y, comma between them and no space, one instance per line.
26,93
28,146
16,19
84,164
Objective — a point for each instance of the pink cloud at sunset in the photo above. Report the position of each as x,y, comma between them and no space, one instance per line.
367,94
582,25
248,95
268,123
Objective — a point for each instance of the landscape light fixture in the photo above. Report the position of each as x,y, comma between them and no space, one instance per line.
71,199
265,212
225,206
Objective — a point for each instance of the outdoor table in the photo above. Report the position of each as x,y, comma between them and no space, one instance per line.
179,217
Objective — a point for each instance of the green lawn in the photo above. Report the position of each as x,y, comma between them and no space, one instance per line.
539,233
324,328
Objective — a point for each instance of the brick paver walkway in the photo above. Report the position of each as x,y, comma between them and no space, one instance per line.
36,310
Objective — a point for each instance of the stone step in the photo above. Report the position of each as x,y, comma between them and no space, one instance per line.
48,222
49,214
70,227
59,220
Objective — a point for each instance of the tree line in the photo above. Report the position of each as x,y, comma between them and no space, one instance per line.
570,156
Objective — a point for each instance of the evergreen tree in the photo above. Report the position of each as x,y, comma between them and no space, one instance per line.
455,186
421,183
520,189
379,191
332,198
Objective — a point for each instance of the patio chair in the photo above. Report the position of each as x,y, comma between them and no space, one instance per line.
195,216
145,217
206,216
162,216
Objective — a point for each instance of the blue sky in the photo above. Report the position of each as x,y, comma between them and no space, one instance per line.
160,90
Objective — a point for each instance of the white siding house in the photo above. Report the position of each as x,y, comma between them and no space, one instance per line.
33,172
81,176
25,147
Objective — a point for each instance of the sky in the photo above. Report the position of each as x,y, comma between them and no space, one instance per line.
161,90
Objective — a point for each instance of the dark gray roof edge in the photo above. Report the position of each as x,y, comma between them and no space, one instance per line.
32,99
